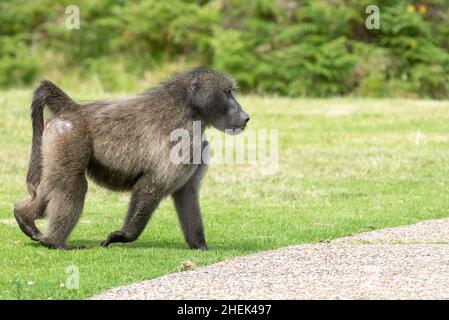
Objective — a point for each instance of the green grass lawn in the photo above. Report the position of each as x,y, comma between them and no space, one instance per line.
346,166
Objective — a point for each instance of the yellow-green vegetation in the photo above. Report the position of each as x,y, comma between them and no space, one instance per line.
346,165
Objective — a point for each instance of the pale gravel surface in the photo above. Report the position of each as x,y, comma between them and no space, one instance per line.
410,262
430,231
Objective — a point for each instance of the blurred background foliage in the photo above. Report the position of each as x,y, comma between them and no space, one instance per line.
285,47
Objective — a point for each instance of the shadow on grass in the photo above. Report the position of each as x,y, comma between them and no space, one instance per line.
160,244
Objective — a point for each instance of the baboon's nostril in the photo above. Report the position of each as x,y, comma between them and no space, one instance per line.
247,119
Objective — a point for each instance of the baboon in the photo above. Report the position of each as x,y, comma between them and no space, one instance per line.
123,145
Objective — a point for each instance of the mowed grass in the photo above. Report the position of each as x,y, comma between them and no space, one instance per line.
346,166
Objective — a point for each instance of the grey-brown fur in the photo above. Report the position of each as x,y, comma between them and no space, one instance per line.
123,145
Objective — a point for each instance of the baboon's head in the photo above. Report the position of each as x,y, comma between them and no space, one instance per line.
212,97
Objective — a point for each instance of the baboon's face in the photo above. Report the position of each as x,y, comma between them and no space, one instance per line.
233,118
214,98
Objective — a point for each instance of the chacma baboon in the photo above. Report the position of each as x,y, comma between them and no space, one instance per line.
123,145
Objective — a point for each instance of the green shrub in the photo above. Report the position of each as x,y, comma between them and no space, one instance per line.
18,65
286,47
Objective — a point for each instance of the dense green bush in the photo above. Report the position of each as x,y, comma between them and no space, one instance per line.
286,47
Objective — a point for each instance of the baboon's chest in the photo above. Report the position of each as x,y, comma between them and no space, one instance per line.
183,176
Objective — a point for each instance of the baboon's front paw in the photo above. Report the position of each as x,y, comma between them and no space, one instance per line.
198,246
116,236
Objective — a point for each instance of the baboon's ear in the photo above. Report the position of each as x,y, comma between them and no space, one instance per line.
195,84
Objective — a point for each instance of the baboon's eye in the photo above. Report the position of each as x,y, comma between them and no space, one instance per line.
230,91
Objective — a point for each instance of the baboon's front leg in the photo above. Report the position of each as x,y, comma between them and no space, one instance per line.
144,200
187,206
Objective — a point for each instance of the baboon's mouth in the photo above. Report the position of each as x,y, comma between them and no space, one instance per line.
235,130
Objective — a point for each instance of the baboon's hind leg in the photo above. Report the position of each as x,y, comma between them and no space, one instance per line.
63,211
66,151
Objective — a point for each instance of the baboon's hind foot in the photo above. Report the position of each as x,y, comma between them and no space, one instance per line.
27,225
61,246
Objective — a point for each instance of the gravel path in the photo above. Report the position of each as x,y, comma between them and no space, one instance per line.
410,262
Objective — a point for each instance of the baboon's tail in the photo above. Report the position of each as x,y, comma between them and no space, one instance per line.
47,94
